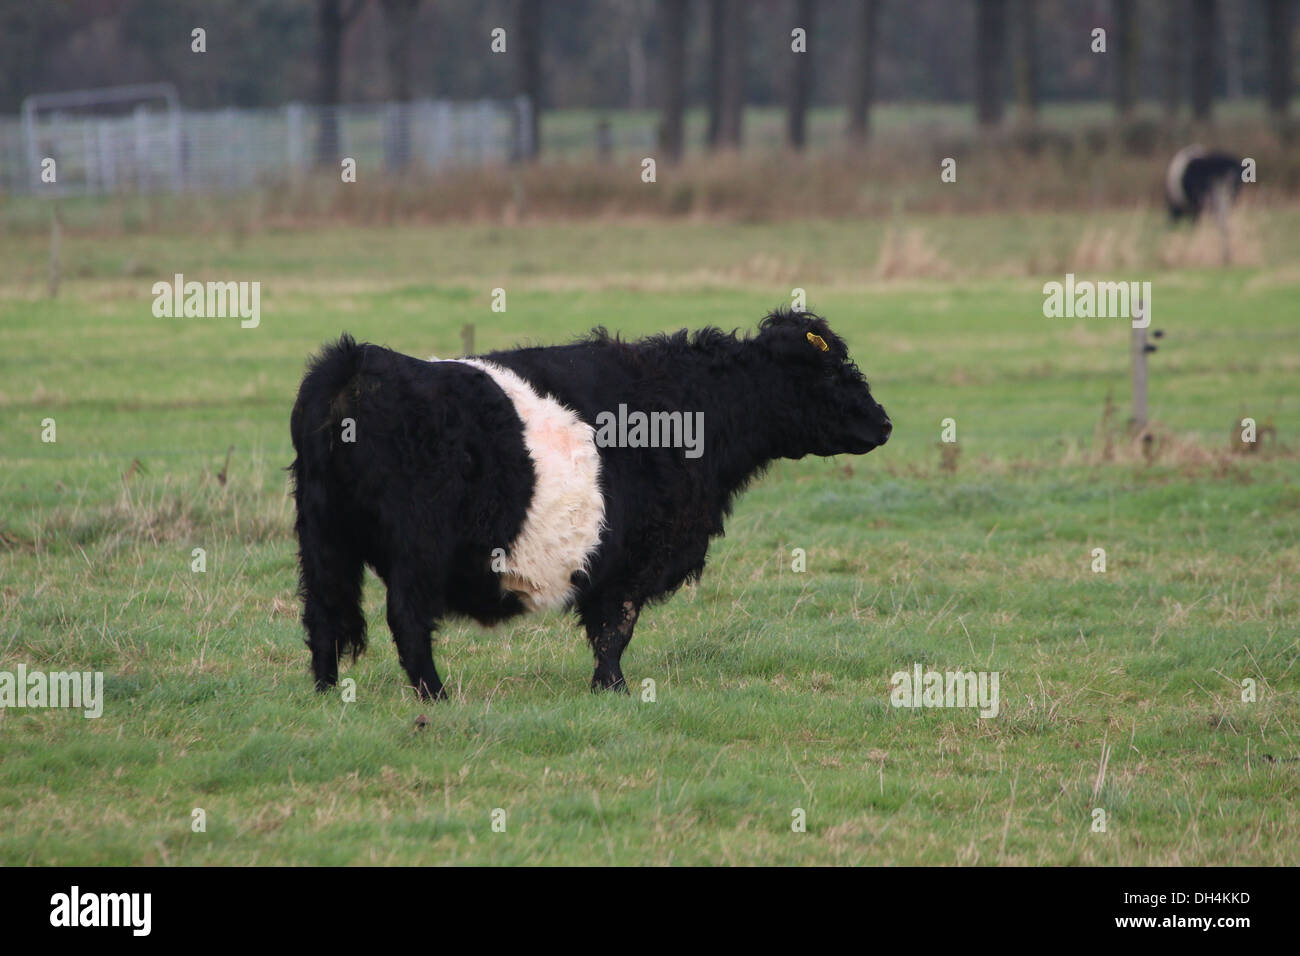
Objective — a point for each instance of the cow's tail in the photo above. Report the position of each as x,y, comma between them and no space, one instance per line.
330,555
322,405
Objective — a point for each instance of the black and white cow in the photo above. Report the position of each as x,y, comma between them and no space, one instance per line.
1197,178
490,486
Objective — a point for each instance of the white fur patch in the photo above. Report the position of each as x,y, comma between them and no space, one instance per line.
1174,175
567,513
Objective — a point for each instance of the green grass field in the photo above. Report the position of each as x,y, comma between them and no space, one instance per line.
772,686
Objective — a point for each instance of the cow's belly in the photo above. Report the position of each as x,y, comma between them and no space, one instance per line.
567,512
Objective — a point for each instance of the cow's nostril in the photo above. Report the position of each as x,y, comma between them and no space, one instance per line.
888,428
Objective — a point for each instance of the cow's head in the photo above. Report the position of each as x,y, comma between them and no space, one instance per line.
835,413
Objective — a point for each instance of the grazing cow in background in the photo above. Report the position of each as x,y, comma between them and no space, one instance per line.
1198,178
525,479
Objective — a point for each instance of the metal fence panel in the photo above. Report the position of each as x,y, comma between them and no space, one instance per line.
100,147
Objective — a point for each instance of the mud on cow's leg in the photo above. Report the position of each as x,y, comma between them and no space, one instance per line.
609,629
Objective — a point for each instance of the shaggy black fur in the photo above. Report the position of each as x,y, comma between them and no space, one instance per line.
439,474
1200,177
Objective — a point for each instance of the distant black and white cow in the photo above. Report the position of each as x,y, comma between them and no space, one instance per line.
589,476
1198,178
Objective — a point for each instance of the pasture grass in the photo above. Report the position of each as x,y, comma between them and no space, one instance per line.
772,686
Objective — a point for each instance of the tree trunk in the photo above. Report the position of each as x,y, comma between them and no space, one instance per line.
863,91
717,67
990,58
1026,61
1172,67
528,36
1279,58
1203,64
1230,48
399,16
732,106
796,128
329,18
1124,48
671,136
333,18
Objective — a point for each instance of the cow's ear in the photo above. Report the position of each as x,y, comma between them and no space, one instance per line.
798,346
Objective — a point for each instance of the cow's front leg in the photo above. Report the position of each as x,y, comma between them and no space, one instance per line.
609,629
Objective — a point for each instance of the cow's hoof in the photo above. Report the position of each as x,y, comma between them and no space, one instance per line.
434,693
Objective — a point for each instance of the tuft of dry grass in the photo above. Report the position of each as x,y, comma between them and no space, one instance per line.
153,513
1202,246
909,254
1116,441
1109,247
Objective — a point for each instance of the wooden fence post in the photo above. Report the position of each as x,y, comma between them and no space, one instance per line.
1140,380
1141,349
55,242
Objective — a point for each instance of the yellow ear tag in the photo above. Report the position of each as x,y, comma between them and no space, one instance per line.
818,341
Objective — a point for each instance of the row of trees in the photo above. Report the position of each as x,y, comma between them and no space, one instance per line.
1006,41
726,54
1000,26
1200,18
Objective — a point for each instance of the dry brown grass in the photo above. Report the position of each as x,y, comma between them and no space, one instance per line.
910,254
1116,441
154,513
1089,169
1109,247
1202,246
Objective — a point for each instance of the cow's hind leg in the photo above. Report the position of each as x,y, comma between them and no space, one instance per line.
413,612
330,577
609,629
